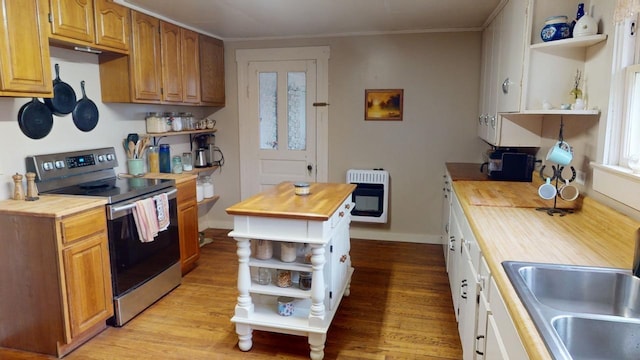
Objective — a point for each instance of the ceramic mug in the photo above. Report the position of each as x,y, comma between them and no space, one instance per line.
560,153
547,191
569,192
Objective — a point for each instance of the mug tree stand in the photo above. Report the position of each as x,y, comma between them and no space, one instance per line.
557,175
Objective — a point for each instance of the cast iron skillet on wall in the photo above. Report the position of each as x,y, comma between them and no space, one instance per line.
35,119
85,114
64,98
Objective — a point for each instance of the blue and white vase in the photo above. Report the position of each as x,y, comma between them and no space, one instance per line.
555,28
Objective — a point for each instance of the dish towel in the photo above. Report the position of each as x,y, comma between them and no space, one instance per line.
162,210
144,214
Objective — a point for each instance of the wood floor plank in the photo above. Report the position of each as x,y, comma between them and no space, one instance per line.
399,308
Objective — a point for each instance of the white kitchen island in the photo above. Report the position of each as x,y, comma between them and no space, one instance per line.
320,220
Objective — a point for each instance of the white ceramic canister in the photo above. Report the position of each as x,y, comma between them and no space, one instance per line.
208,187
264,249
199,191
288,251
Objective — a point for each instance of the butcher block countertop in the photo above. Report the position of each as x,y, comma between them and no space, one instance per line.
594,235
282,202
56,206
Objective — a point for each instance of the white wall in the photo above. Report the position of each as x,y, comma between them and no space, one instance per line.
439,73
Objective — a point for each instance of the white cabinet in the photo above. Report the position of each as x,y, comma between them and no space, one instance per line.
446,209
484,324
502,340
513,28
503,59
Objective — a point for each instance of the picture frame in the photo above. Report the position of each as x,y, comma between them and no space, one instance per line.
383,104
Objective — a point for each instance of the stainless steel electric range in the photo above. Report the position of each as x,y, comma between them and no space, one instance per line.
142,272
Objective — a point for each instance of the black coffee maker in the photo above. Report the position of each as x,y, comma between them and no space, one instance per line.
509,165
201,151
212,154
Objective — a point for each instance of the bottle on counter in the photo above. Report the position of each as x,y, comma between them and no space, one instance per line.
165,158
153,159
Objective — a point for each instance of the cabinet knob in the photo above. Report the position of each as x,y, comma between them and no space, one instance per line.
347,206
505,86
341,214
343,258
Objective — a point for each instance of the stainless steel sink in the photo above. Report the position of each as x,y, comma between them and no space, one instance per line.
581,312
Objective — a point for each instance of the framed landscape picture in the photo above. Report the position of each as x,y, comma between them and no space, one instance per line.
383,104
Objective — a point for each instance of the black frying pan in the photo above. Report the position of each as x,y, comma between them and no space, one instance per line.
85,114
64,98
35,119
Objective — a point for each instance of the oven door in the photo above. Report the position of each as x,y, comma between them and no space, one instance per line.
134,262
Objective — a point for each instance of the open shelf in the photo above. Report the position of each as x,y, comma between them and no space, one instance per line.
579,42
209,200
175,133
197,170
561,112
274,263
293,291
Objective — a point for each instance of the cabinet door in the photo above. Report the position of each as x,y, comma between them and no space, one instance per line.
495,349
468,305
88,283
113,24
72,19
188,225
171,62
446,210
454,263
145,58
512,41
488,57
212,71
24,57
491,121
190,66
339,248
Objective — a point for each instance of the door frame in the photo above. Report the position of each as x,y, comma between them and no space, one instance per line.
247,155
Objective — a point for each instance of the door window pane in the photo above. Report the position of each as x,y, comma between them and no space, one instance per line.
268,85
296,110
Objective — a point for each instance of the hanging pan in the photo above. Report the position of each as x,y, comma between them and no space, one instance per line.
35,119
85,114
64,98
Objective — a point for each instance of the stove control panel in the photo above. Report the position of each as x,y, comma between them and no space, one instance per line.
68,164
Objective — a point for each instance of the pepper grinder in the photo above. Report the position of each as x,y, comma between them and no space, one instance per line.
18,191
32,190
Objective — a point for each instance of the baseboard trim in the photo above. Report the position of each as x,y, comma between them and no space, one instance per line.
357,234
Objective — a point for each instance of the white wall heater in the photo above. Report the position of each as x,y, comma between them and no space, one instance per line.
371,195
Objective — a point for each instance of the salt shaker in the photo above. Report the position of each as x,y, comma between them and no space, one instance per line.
18,191
32,190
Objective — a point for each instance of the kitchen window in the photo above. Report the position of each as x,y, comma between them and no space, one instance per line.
615,176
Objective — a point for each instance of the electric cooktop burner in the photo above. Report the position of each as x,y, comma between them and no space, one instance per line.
115,189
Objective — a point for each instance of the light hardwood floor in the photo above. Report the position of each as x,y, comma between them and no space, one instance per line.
399,308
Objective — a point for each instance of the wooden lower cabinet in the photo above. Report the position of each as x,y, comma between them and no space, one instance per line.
57,278
188,225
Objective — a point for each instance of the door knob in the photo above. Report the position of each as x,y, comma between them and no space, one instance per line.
309,168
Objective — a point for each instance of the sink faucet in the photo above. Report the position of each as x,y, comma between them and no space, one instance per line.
636,256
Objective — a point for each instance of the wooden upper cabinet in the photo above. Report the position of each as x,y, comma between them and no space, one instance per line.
72,19
145,62
211,71
190,66
25,68
171,62
113,24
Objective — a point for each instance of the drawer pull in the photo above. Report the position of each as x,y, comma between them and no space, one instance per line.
343,258
347,206
341,214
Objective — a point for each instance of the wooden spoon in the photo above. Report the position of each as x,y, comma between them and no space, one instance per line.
132,148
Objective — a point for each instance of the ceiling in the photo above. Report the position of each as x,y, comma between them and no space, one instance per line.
267,19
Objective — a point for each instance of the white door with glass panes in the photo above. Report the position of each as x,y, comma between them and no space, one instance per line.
282,129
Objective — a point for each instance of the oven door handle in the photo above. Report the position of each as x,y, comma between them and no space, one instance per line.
118,209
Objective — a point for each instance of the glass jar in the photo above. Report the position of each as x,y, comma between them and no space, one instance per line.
283,279
189,121
153,159
288,251
165,158
264,249
305,280
199,190
207,183
187,161
176,165
262,275
155,123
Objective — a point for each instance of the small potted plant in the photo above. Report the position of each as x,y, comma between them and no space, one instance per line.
576,92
